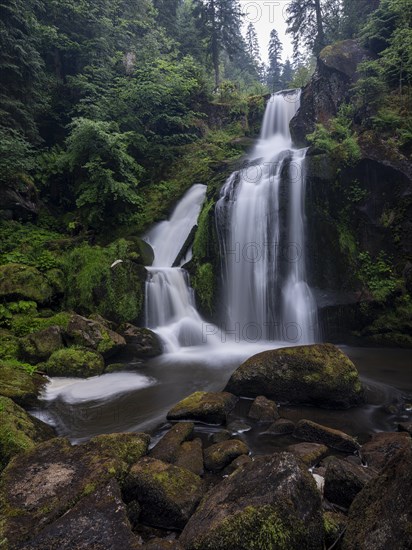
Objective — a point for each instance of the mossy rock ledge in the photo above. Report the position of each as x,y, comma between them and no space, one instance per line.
319,375
201,406
74,362
17,383
25,282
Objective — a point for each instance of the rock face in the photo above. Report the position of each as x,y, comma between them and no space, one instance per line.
311,431
94,334
144,342
168,448
24,282
74,362
40,345
219,455
319,374
343,481
19,384
381,515
383,447
167,495
263,410
209,407
271,502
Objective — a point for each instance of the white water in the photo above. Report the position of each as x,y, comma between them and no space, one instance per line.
260,221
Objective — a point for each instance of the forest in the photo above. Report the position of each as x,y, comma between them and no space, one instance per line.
136,326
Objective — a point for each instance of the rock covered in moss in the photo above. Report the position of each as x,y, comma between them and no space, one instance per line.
24,282
380,517
18,431
219,455
190,456
334,524
20,383
40,345
236,463
309,453
94,334
263,410
168,495
343,481
283,426
316,433
383,447
319,374
144,342
168,448
271,502
126,447
74,362
202,406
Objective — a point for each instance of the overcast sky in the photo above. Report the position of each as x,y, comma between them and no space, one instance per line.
265,16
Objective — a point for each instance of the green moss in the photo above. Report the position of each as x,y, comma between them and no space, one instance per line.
204,284
202,238
127,447
9,345
24,324
19,381
25,282
74,362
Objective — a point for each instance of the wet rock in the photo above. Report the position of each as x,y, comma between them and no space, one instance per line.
310,453
168,495
263,410
343,481
271,502
319,374
24,282
380,517
334,524
40,345
236,463
168,448
17,383
162,544
127,447
94,334
74,362
405,427
311,431
98,521
222,435
238,427
384,446
209,407
219,455
281,427
145,342
18,431
191,456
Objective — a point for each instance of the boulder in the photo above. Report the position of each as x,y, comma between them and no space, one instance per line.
405,427
162,544
334,524
311,431
74,362
219,455
343,481
190,456
380,517
24,282
202,406
309,453
221,435
40,345
94,334
320,375
167,495
144,342
18,431
281,427
236,463
383,447
263,410
271,502
98,521
19,383
168,448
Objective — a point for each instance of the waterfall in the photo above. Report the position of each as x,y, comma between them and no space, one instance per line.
261,226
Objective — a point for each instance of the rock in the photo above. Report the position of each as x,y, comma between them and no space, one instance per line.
334,524
309,453
380,517
219,455
145,342
94,334
320,375
202,406
163,544
281,427
271,502
98,521
168,448
168,495
191,456
18,383
344,480
405,427
40,345
384,446
24,282
263,410
126,447
310,431
236,463
74,362
221,435
42,484
238,427
18,202
18,431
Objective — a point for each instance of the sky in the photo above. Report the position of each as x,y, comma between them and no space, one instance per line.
265,16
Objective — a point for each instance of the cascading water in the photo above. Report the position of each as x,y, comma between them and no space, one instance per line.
262,241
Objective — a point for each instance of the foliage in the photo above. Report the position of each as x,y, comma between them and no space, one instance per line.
377,275
203,283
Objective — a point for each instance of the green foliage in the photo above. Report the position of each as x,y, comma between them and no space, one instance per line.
204,284
24,324
201,242
16,156
377,275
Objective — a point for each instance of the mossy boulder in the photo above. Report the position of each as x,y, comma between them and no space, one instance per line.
319,374
263,410
168,495
74,362
143,342
168,448
380,517
9,345
282,426
24,282
209,407
19,382
18,431
271,502
344,480
316,433
334,524
190,456
126,447
40,345
309,453
220,455
94,334
384,446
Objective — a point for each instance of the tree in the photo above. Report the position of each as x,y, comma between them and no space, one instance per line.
306,24
287,74
253,50
275,64
355,14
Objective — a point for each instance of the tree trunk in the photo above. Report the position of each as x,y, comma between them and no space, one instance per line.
320,37
215,44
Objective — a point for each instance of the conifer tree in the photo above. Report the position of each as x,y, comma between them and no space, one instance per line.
275,63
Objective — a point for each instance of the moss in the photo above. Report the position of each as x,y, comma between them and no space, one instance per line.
204,284
128,447
26,282
74,362
9,345
27,323
19,381
202,238
204,406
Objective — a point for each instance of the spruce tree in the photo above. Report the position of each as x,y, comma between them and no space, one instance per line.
275,64
287,74
306,24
